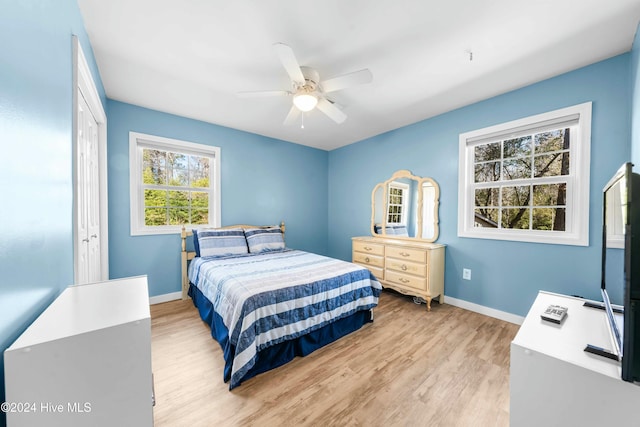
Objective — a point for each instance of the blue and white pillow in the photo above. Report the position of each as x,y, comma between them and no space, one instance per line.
388,229
400,230
220,242
264,239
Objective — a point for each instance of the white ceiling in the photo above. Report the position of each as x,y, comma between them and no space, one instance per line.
191,57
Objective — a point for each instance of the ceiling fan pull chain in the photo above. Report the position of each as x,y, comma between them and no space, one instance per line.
302,121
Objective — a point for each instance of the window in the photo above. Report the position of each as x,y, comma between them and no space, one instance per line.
173,183
528,180
397,205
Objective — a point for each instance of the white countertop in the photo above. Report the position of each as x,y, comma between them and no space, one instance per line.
582,326
87,308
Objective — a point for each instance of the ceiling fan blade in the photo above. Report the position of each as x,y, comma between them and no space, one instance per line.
331,110
289,62
263,93
294,113
346,80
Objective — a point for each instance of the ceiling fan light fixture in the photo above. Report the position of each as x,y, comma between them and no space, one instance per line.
305,101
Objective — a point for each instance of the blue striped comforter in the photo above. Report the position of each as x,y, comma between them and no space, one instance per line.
264,299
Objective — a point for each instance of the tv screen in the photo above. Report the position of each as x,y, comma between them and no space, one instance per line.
620,281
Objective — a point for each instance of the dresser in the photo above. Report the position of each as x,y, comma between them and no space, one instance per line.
85,361
410,267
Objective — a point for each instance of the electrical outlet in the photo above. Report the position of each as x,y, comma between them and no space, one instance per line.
466,273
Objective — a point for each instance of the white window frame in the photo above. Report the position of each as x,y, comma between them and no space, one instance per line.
577,203
138,141
405,195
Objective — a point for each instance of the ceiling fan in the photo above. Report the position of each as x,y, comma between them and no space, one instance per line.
308,91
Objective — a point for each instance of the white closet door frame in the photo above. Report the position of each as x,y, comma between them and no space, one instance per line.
83,82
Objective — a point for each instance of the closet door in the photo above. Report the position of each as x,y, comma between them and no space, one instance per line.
88,207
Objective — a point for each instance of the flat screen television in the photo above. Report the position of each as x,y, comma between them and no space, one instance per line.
621,254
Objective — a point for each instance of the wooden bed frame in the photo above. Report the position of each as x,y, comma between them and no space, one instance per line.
189,255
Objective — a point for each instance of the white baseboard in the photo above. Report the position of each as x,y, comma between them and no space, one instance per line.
165,298
491,312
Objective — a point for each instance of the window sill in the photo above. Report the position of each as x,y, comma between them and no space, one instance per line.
147,231
547,237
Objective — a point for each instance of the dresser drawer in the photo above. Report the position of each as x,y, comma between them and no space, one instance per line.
406,280
373,260
408,254
402,266
369,248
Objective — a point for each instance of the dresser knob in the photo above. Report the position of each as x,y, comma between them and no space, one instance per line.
404,267
404,254
367,248
366,259
403,280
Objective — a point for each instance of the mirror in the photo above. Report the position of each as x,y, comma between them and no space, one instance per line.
406,206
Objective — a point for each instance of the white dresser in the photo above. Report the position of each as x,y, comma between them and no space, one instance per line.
555,383
410,267
85,361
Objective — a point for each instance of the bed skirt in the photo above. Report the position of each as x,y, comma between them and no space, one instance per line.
278,354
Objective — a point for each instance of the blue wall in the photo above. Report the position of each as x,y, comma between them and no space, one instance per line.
505,275
635,103
36,235
264,181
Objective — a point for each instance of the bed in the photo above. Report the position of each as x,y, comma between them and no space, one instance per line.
267,304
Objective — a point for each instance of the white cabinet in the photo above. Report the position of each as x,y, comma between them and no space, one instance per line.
409,266
85,361
555,383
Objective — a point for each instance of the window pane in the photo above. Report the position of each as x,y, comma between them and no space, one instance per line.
199,216
556,164
155,198
177,160
516,196
198,171
483,153
549,219
178,177
487,172
199,199
487,196
154,176
555,140
177,169
155,216
154,158
516,168
550,195
394,219
515,218
178,216
178,198
153,166
518,147
486,218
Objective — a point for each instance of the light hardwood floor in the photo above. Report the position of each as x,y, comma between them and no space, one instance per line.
447,367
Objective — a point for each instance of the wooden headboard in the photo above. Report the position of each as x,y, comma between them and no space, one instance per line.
189,255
